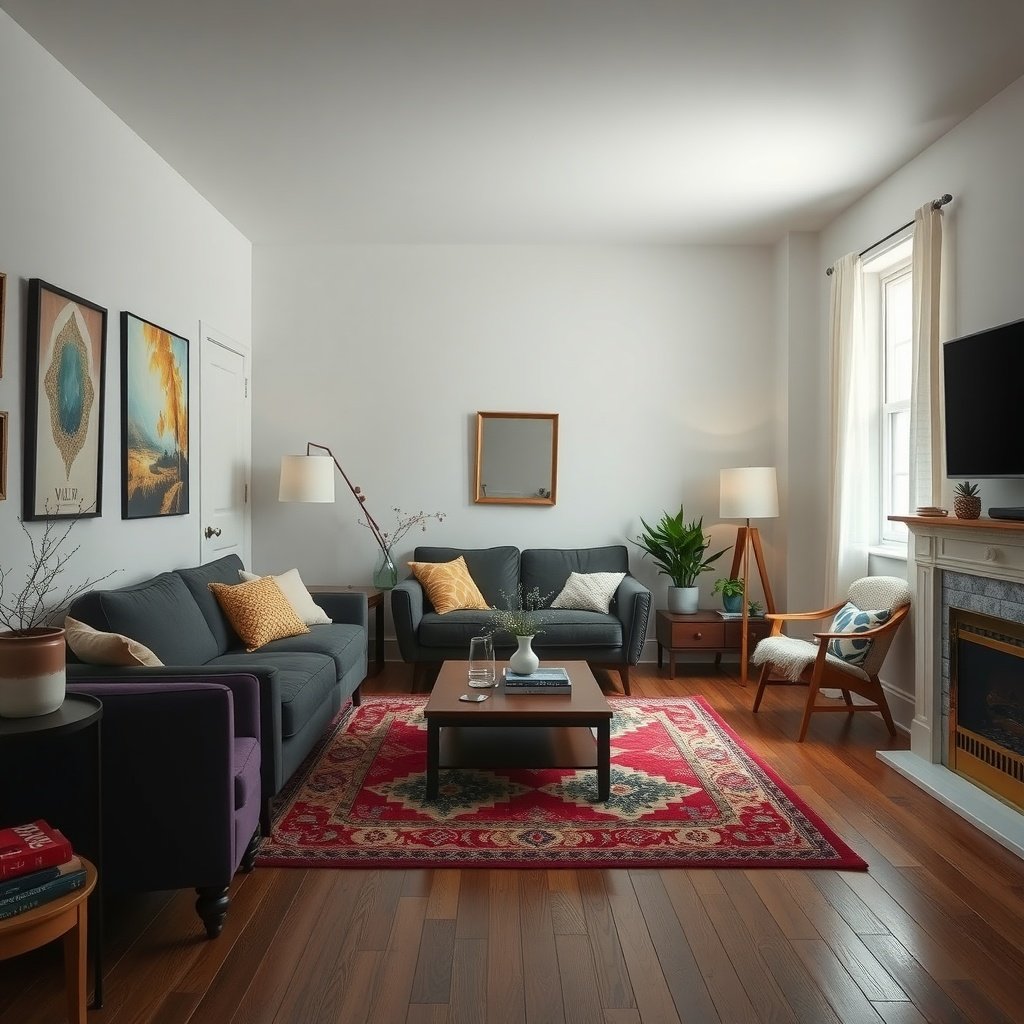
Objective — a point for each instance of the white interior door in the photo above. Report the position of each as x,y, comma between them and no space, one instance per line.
226,449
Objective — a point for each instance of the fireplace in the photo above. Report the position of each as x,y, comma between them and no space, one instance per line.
986,703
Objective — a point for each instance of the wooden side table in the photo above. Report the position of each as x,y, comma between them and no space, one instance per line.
375,601
703,631
67,915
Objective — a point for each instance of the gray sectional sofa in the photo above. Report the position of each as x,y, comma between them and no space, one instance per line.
613,640
303,680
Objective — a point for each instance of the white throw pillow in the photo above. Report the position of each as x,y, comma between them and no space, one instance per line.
297,595
589,591
97,648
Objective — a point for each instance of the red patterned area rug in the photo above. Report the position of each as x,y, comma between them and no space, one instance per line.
685,792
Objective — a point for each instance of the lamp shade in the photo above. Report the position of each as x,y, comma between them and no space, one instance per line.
749,492
306,478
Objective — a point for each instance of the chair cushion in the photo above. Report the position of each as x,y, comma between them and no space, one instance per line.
298,596
258,611
590,592
495,571
305,680
159,613
245,764
790,657
449,585
345,644
853,620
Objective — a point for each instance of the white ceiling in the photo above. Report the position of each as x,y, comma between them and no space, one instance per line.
534,120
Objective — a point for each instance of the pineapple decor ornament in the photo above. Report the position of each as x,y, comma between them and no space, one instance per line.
967,502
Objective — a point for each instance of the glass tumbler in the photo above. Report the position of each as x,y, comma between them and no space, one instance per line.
481,661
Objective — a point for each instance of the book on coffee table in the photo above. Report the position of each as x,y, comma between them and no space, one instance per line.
544,680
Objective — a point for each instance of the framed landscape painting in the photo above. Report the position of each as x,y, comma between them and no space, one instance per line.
64,366
154,420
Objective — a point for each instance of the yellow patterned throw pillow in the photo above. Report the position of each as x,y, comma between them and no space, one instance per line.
449,585
259,611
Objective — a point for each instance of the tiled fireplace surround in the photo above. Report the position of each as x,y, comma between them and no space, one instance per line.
978,566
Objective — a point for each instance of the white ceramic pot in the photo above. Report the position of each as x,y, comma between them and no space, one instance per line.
683,600
523,660
32,672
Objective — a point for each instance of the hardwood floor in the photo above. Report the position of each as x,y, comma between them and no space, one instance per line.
934,931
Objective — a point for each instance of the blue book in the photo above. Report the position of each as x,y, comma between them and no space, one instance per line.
542,675
14,886
40,894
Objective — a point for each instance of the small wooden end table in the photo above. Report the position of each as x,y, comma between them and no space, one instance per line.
67,915
374,600
703,631
518,730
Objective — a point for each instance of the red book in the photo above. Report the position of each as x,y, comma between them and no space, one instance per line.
26,848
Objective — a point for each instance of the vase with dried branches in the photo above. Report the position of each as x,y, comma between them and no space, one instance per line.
32,653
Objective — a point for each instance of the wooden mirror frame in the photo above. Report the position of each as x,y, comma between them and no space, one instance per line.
541,499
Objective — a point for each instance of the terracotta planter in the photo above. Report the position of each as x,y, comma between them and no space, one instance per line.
32,672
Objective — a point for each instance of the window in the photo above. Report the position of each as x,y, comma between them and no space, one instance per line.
888,321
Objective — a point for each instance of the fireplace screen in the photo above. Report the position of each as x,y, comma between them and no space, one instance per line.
986,703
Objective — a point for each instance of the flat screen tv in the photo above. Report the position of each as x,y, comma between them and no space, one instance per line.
984,386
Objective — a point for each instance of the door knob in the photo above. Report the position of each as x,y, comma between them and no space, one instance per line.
211,532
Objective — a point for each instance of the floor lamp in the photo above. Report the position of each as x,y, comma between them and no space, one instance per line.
749,492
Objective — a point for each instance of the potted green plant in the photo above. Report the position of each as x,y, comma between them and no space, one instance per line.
732,593
678,549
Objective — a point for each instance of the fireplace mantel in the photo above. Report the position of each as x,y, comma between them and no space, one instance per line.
991,548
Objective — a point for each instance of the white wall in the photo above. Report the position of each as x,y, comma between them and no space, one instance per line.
979,162
659,362
89,207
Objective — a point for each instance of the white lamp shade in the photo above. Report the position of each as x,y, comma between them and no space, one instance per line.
749,492
306,478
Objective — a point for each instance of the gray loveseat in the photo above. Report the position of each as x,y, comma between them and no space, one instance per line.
303,680
613,640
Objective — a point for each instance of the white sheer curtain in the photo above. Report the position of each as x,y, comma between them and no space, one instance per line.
926,457
853,385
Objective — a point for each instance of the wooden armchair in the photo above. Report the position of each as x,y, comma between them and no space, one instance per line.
787,661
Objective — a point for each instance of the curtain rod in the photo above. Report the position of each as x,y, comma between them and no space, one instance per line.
937,204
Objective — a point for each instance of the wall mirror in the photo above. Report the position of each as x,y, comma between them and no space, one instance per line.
516,458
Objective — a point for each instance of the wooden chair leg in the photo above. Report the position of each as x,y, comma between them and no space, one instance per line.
624,676
762,682
883,706
847,698
812,699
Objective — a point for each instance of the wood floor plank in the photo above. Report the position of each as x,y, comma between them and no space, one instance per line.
842,992
444,893
349,999
872,979
506,998
577,976
566,903
899,1013
472,916
469,982
427,1013
540,954
432,982
612,975
678,965
382,895
653,997
723,983
620,1016
398,969
788,913
975,1002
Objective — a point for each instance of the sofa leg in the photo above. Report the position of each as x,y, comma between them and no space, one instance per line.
357,698
249,857
265,818
624,676
212,907
420,673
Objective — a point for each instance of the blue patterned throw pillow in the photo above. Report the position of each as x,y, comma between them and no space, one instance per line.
851,619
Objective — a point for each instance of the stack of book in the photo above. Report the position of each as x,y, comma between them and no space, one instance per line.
544,680
37,865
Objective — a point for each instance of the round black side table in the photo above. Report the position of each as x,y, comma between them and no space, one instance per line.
79,711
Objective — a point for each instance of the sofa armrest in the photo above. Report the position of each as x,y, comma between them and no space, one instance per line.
348,606
632,607
407,613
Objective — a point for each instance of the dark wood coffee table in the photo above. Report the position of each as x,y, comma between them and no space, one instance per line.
518,730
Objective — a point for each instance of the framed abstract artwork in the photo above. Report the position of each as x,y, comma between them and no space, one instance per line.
65,371
154,420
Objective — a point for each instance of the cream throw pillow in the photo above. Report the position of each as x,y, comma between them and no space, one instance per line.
97,648
449,585
298,596
589,592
